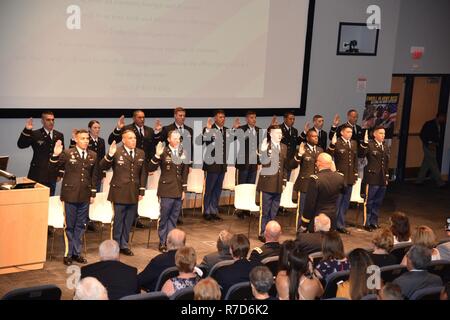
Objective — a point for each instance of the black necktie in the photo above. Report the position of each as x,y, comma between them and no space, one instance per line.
82,155
349,144
140,132
131,154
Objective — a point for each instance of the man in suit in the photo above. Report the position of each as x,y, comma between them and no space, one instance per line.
417,277
290,139
80,168
272,246
127,185
118,278
324,188
306,158
273,176
352,119
345,151
376,175
42,141
149,276
223,252
172,183
317,126
239,271
146,137
432,134
312,242
215,138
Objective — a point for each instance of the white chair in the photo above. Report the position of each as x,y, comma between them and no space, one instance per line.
101,211
106,181
286,199
294,174
153,180
148,208
356,197
244,199
229,183
195,183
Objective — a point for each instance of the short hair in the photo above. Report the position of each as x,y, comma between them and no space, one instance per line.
261,278
216,112
288,113
239,245
169,134
127,131
400,226
185,259
223,242
425,236
135,112
346,126
109,250
378,128
322,222
92,122
383,239
176,239
273,127
317,116
207,289
90,288
391,291
250,112
81,131
312,130
332,246
350,111
419,256
178,109
47,113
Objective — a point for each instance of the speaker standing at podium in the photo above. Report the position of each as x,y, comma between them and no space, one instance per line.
78,189
42,141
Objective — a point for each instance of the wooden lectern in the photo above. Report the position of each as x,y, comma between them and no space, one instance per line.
23,228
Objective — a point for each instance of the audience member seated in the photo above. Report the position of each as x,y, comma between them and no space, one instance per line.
417,277
271,247
119,279
400,228
312,242
390,291
356,286
424,236
223,252
207,289
185,260
149,276
444,248
383,242
283,259
261,280
334,259
90,288
239,271
299,283
445,293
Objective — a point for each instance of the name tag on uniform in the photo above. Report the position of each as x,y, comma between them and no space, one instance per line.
120,162
341,150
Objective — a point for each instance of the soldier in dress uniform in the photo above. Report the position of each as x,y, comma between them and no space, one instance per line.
306,158
172,183
345,152
127,185
80,168
273,176
317,126
352,119
271,246
324,188
376,176
42,141
290,137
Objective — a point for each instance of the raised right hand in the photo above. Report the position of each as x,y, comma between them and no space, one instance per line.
112,148
209,123
336,120
301,149
334,139
58,148
121,122
74,134
160,148
264,145
274,120
306,128
29,124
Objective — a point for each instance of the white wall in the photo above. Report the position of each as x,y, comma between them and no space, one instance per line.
332,81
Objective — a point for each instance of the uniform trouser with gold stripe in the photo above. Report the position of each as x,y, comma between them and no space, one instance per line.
270,205
374,199
75,223
124,215
170,210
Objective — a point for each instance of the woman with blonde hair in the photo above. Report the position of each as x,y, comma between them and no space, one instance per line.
425,236
207,289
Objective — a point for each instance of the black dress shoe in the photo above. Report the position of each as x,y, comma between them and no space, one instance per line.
368,228
140,225
374,226
91,226
67,261
216,217
79,259
262,239
240,215
180,222
162,247
343,230
207,217
127,252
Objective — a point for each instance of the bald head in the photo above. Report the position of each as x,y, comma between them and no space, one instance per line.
176,239
109,250
324,161
272,231
322,223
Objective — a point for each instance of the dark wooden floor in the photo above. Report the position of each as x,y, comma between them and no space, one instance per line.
424,205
